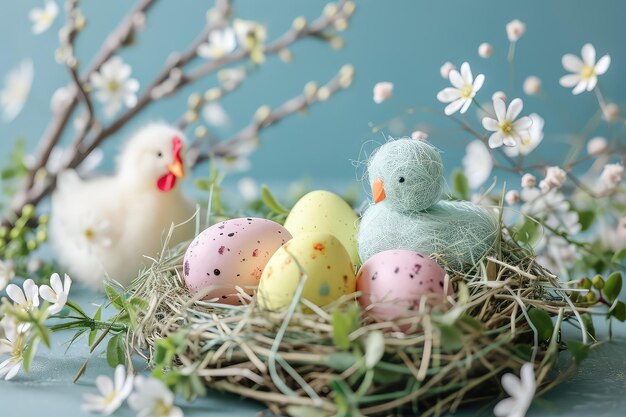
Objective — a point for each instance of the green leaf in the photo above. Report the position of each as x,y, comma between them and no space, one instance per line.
588,321
451,337
374,348
542,322
619,256
527,232
578,350
341,361
612,286
460,184
115,298
115,350
525,352
586,218
271,202
341,329
619,311
29,352
471,322
94,332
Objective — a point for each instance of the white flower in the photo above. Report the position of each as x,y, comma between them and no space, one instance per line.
114,86
528,181
251,36
237,159
485,50
464,89
529,139
43,18
58,159
507,130
17,85
445,69
597,146
248,188
584,72
498,95
515,29
221,42
383,91
419,135
477,163
114,392
215,115
7,273
61,98
56,293
610,112
612,175
153,399
543,204
231,77
512,197
96,232
13,345
521,391
555,177
27,298
532,85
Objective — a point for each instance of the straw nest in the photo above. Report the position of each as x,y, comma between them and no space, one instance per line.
334,361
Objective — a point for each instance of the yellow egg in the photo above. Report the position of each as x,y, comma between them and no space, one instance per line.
324,260
323,211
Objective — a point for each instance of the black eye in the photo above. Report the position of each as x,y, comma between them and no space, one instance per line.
401,179
160,154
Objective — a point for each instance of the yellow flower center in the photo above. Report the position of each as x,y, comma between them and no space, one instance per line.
526,140
18,348
109,398
466,91
90,233
113,86
506,127
587,72
162,409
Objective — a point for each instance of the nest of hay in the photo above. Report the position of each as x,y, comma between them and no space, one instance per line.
337,361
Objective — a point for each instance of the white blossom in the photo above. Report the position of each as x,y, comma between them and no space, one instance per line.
512,197
221,42
17,84
528,181
96,232
152,398
13,345
464,88
419,135
113,392
56,293
382,91
445,69
477,163
521,391
612,175
7,273
43,18
529,139
507,130
555,177
532,85
248,188
61,98
26,297
597,146
610,112
584,71
114,87
498,95
215,115
515,29
485,50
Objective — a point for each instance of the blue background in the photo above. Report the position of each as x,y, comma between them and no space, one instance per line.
400,41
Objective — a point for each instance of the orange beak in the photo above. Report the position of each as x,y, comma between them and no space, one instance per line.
177,169
378,190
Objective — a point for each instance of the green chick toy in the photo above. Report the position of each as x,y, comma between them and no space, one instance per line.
407,182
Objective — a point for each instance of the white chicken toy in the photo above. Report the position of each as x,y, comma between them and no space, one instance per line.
106,227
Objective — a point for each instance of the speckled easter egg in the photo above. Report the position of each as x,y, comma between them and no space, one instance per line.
323,211
394,283
231,253
325,261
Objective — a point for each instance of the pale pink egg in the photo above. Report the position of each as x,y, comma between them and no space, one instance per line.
394,283
231,253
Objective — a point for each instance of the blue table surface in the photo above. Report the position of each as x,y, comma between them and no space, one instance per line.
598,386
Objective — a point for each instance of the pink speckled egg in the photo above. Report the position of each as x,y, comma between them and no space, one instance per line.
231,253
394,283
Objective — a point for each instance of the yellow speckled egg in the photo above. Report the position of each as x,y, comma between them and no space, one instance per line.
323,211
329,270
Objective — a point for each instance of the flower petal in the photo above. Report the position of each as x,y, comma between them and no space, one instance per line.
527,375
512,385
572,63
104,385
478,82
16,294
495,140
523,123
580,87
448,94
456,79
500,109
515,108
55,283
591,83
569,80
603,64
454,107
47,293
466,73
588,53
504,407
490,124
466,105
31,290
